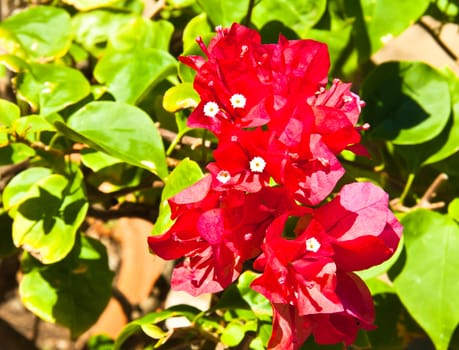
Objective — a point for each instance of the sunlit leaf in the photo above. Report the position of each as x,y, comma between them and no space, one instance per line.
72,292
180,97
402,14
49,215
128,134
297,15
8,112
131,67
224,13
50,88
16,190
258,303
40,32
184,175
85,5
428,284
453,209
233,333
15,153
195,27
96,160
94,29
153,318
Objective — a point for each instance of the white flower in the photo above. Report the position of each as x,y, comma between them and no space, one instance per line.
257,164
223,176
211,109
238,101
312,245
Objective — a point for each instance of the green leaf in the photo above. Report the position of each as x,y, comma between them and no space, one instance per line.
427,284
184,175
72,292
180,97
407,102
94,29
233,334
50,87
16,190
441,146
96,160
143,34
100,342
9,112
453,209
128,134
13,63
224,13
153,331
378,286
402,14
258,303
128,75
40,33
450,142
195,27
150,319
131,67
49,215
298,15
86,5
15,153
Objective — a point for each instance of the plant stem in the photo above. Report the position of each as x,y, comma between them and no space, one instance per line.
248,17
406,189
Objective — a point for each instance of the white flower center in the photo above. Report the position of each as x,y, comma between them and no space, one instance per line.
347,99
312,245
211,109
223,176
257,164
238,101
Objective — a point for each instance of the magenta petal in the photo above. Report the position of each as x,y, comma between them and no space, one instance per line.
194,193
360,209
289,329
361,253
210,226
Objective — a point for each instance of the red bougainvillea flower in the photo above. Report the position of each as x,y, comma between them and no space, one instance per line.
363,231
279,130
354,231
233,82
290,329
217,233
336,112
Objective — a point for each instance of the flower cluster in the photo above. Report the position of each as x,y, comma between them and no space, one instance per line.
279,131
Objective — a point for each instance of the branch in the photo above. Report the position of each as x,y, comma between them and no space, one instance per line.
425,201
147,212
194,142
152,7
435,36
